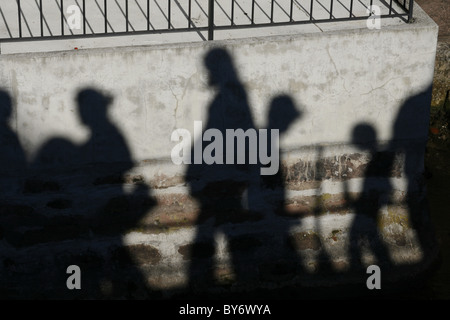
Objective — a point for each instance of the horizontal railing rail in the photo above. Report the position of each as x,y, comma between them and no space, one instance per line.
62,19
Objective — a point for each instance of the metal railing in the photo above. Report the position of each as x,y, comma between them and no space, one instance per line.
47,19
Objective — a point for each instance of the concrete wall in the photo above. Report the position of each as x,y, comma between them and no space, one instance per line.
155,91
336,80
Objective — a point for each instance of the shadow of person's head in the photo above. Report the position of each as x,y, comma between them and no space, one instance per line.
364,137
220,67
5,106
282,113
92,106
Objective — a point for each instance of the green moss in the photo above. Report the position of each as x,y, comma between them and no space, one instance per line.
326,196
393,216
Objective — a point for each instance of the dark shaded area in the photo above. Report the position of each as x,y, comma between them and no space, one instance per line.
324,261
12,159
364,230
282,114
105,145
437,158
12,165
406,127
108,154
61,172
220,187
407,142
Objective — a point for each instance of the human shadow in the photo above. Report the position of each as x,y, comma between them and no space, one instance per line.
403,157
12,159
13,166
106,145
98,177
282,113
221,180
286,262
409,140
375,194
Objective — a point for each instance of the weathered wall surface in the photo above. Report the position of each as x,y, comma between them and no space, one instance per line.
441,83
96,187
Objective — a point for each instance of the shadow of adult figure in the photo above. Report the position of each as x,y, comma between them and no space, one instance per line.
99,165
410,134
13,166
105,145
376,193
219,183
13,161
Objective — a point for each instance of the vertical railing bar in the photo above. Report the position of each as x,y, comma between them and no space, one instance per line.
105,7
410,13
126,15
189,13
331,10
41,18
211,20
408,6
271,12
232,12
148,14
20,18
62,16
291,11
84,16
253,11
169,13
